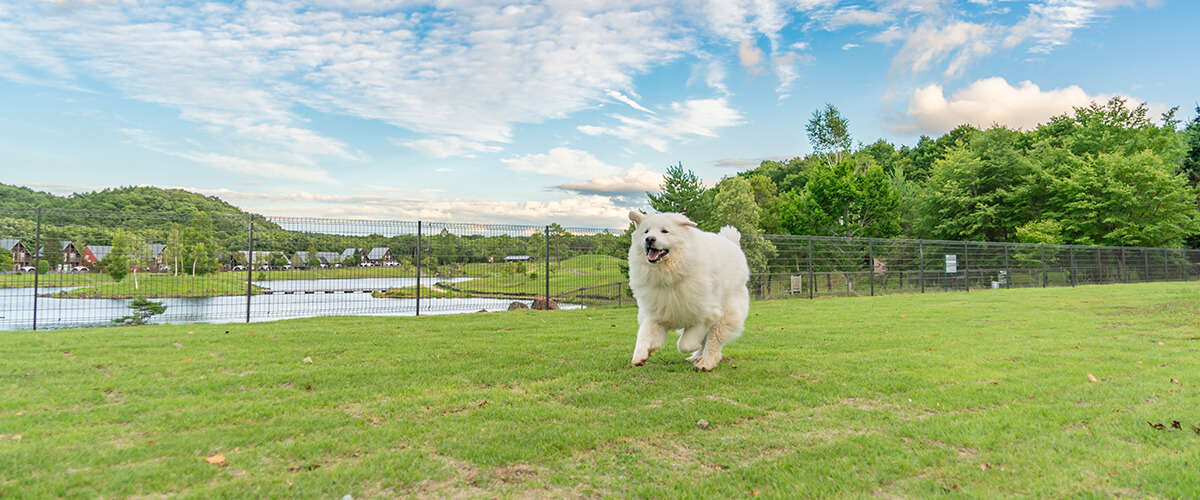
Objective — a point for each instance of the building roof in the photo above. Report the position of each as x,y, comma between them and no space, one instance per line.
377,253
9,244
517,257
64,244
329,257
99,251
155,249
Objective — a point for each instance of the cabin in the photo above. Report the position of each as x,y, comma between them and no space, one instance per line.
94,254
21,255
260,258
348,254
155,254
381,256
71,257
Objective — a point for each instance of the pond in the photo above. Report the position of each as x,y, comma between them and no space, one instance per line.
286,300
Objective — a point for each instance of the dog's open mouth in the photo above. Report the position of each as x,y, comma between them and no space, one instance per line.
655,254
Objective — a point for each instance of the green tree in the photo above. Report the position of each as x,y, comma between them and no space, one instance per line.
979,191
829,134
1117,199
52,252
1191,143
683,192
43,266
143,310
117,262
840,201
6,260
173,253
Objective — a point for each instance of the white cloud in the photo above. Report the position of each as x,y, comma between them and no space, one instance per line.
749,55
800,46
691,118
634,181
994,101
562,162
1050,23
447,146
853,15
930,44
627,100
849,46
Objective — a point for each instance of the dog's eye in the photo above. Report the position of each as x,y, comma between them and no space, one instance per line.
647,231
664,231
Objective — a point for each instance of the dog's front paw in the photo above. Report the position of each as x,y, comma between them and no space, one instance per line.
639,359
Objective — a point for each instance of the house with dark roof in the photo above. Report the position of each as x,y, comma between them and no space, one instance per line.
21,255
71,256
381,256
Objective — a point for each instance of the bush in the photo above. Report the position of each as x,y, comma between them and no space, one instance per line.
532,276
142,311
43,267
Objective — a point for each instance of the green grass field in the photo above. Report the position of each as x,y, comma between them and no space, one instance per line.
982,394
156,285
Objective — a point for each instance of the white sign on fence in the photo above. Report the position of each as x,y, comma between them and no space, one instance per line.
951,263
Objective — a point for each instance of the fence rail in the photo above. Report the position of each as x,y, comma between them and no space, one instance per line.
225,268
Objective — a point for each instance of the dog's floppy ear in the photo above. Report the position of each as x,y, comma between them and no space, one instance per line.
635,216
682,220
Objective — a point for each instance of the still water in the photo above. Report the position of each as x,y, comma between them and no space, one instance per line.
288,300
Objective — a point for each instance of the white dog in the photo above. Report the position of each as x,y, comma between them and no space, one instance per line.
687,279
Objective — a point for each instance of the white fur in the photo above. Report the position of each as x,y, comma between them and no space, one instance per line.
699,287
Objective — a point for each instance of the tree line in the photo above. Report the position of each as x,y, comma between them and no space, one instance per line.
1105,174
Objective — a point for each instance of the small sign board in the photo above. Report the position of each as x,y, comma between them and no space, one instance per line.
951,263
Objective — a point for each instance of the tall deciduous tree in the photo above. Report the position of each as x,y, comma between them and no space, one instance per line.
842,201
829,134
735,206
116,263
683,192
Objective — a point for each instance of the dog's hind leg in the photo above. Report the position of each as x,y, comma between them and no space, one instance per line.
648,333
722,331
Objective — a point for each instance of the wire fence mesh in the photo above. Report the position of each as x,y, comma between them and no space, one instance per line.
225,268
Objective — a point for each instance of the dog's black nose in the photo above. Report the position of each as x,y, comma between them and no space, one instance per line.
650,240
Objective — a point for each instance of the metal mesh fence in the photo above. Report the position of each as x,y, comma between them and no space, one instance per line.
224,268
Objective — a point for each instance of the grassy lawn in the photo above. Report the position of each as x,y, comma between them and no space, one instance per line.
410,292
25,280
586,278
163,285
980,394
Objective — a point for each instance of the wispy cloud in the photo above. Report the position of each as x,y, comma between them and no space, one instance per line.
633,182
687,119
561,162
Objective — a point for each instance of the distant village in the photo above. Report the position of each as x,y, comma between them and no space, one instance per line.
91,258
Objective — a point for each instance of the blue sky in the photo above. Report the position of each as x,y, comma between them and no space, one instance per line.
533,112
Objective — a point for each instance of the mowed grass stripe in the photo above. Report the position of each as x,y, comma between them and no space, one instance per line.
982,393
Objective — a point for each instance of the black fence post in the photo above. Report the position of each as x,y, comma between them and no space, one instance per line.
921,263
418,268
249,268
966,269
1045,272
547,268
812,284
37,260
871,265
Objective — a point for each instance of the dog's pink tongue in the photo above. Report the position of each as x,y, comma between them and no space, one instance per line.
653,254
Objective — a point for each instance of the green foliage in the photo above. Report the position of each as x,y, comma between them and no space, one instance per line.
736,206
1042,231
143,310
829,134
1119,199
1191,142
681,191
43,266
842,201
117,262
977,192
52,251
6,260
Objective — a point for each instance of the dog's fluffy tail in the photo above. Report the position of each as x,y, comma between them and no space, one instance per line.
731,233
